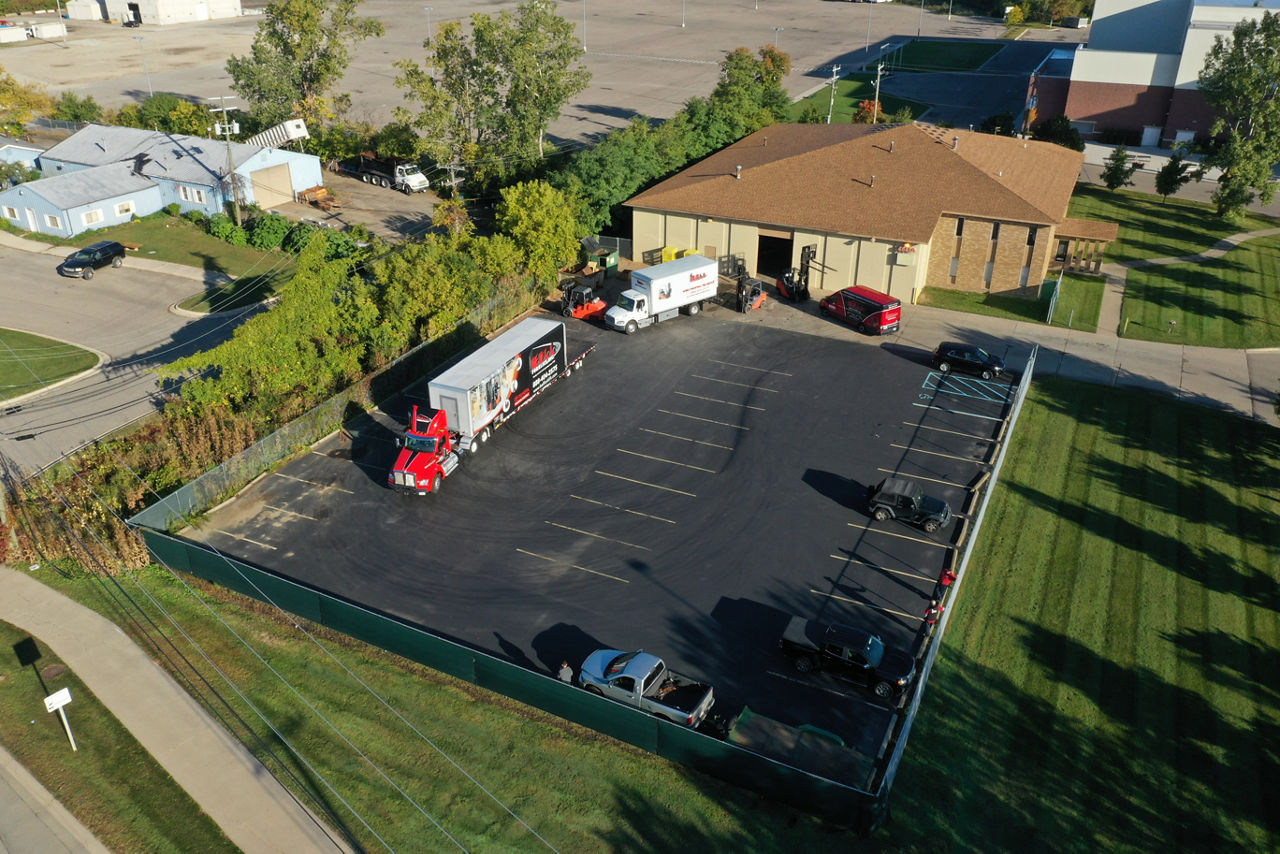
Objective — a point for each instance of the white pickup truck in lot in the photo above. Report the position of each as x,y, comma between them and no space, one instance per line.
643,680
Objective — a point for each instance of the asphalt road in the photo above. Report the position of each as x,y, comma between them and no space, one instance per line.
124,316
694,486
647,57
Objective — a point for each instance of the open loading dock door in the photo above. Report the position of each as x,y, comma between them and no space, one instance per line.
272,187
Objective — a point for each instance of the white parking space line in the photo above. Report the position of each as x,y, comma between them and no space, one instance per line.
573,566
598,536
718,400
839,598
245,539
957,412
290,512
623,509
935,453
706,420
837,692
731,382
952,432
867,563
645,483
870,530
312,482
663,460
922,477
686,439
750,367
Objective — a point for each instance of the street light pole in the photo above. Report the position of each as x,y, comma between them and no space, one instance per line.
427,9
920,25
835,70
869,7
683,3
875,109
584,26
776,30
150,92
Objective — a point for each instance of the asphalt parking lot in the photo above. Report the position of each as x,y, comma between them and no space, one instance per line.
686,492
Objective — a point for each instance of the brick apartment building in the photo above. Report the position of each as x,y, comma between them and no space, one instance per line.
893,207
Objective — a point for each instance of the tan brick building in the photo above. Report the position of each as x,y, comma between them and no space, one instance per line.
893,207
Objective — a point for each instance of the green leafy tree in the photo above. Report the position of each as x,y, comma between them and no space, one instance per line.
811,114
267,232
748,97
1059,131
451,216
1174,175
339,140
1001,124
298,238
540,220
486,99
300,52
70,107
20,104
1241,81
17,173
396,140
427,289
1118,168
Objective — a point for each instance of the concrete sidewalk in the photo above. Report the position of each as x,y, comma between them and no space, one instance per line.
230,785
32,820
210,278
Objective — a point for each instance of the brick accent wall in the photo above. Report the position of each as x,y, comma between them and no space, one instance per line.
1118,105
1188,110
1010,253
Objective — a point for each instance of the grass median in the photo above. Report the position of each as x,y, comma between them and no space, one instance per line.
30,362
1078,305
110,783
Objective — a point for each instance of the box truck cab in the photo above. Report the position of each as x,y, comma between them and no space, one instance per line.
867,310
658,293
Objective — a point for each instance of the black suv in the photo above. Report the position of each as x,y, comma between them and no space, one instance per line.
83,262
897,498
854,655
951,356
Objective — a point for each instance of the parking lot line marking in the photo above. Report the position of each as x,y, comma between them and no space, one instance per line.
290,512
598,536
646,483
623,509
957,412
686,439
868,563
731,382
934,453
838,597
663,460
750,367
312,482
245,539
836,691
573,566
871,530
707,420
922,477
952,432
371,466
718,400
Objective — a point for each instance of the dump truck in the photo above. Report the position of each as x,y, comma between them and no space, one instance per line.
643,680
473,398
386,172
658,293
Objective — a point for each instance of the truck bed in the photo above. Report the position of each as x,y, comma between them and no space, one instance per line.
685,697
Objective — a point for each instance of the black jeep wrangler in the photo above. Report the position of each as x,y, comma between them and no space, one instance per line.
898,498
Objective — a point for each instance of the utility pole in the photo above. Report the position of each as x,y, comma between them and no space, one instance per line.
776,30
226,128
150,92
875,109
835,70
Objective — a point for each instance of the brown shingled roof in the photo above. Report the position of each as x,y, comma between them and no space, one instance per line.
1089,229
819,177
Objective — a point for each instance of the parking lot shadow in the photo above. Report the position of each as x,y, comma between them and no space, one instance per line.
844,491
911,354
563,642
369,444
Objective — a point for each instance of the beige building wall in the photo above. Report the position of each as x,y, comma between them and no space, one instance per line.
744,240
648,232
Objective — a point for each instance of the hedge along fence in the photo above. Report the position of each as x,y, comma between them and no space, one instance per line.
220,483
859,810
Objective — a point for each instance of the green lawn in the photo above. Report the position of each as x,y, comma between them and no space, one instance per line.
1009,308
110,783
924,55
1232,301
30,362
1109,680
1079,303
1150,228
850,91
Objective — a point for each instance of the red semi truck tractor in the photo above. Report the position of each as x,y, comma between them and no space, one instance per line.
474,397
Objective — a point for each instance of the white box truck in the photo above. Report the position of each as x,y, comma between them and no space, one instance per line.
658,293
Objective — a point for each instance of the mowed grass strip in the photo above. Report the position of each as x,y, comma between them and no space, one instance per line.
30,362
110,783
1152,228
1232,301
581,791
850,92
1109,678
923,55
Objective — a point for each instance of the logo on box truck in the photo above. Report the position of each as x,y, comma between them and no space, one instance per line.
543,357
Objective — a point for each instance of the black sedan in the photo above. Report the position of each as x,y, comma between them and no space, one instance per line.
953,356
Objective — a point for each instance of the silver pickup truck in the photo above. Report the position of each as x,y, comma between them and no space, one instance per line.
643,680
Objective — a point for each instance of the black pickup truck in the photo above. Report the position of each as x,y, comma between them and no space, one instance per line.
854,655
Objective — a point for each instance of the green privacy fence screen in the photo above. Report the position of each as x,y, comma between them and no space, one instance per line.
859,810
